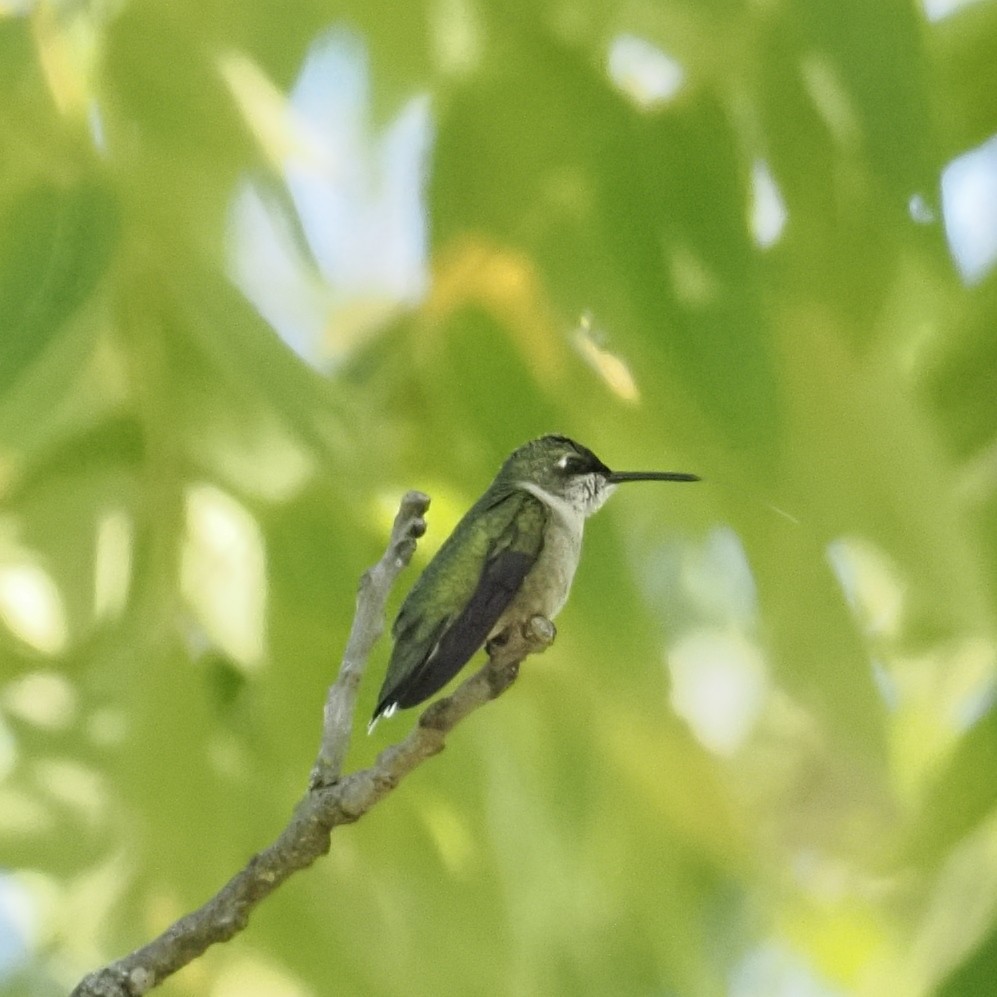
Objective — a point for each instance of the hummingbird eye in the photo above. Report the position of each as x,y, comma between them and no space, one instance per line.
571,463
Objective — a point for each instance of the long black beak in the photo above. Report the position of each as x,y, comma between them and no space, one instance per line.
617,477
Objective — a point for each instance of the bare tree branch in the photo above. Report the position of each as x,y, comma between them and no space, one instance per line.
368,625
331,799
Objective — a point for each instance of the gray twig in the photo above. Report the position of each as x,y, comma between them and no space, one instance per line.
332,799
368,625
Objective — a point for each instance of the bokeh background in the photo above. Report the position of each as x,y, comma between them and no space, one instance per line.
265,266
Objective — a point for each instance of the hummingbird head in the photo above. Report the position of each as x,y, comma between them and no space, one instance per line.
571,473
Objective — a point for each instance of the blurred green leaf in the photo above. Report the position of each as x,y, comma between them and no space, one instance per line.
55,245
961,794
975,976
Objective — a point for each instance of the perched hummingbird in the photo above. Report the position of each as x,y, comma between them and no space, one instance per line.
510,558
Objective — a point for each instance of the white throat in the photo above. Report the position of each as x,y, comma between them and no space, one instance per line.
586,496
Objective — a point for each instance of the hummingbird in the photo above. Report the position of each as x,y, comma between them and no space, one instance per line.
513,556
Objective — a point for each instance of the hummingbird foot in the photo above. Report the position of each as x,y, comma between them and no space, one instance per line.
537,634
539,631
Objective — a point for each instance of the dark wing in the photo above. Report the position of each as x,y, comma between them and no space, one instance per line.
500,580
441,625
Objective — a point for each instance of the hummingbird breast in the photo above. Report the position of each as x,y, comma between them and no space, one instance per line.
545,588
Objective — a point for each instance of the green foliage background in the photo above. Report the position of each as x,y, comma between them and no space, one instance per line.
836,390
